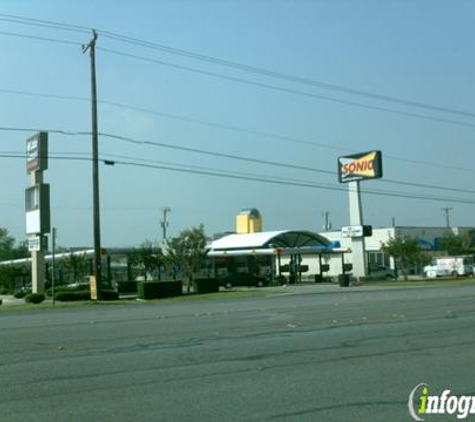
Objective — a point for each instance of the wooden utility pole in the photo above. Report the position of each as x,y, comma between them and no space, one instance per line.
95,165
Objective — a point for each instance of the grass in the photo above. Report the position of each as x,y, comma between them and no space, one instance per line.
224,295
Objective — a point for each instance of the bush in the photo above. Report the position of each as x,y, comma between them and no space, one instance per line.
127,287
206,285
58,289
4,291
73,296
159,289
34,298
110,295
20,294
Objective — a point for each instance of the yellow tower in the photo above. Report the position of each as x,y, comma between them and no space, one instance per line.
248,221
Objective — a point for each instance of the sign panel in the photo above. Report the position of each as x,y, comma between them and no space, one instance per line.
93,287
37,152
357,231
362,166
34,244
352,231
37,206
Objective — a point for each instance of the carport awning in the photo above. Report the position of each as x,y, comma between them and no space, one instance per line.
278,251
270,240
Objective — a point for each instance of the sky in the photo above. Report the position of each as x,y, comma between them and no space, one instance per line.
419,51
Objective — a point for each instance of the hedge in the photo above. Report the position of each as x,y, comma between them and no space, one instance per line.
72,296
63,288
34,298
110,295
4,291
127,287
206,285
159,289
20,294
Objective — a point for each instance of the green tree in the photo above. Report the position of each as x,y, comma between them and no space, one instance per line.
149,258
77,266
406,253
188,251
9,251
457,244
6,245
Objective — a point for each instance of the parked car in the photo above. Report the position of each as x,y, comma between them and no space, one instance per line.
381,273
242,280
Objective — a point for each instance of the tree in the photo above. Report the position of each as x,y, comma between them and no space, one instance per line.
9,251
460,244
77,265
188,251
6,245
149,258
406,253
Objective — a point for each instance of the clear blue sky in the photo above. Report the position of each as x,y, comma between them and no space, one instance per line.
416,50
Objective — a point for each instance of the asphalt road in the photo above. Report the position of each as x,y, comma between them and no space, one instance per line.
344,356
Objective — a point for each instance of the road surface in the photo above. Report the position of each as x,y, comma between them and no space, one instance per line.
339,355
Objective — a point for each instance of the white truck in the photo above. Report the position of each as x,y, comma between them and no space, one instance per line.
450,266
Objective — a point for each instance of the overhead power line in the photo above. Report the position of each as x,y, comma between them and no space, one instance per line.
231,156
229,127
258,84
234,64
286,90
37,38
212,172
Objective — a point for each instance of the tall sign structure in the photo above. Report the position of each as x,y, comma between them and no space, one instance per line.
352,169
37,207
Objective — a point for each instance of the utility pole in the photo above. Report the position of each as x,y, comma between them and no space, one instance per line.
95,165
447,216
164,222
327,225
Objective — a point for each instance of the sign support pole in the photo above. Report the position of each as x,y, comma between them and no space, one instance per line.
356,219
38,257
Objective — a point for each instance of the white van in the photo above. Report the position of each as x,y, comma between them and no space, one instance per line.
450,266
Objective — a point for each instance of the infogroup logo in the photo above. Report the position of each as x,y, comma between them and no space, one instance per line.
421,403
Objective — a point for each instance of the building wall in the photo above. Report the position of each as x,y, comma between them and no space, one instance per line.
428,238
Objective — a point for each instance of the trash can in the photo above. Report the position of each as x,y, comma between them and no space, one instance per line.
318,278
344,280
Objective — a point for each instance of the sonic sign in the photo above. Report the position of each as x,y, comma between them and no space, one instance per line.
365,165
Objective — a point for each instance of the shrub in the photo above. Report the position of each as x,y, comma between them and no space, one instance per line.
34,298
110,295
58,289
159,289
205,285
127,287
4,291
73,296
20,294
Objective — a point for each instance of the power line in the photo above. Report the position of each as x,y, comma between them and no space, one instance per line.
258,84
228,127
285,90
231,156
35,37
263,180
233,64
43,24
